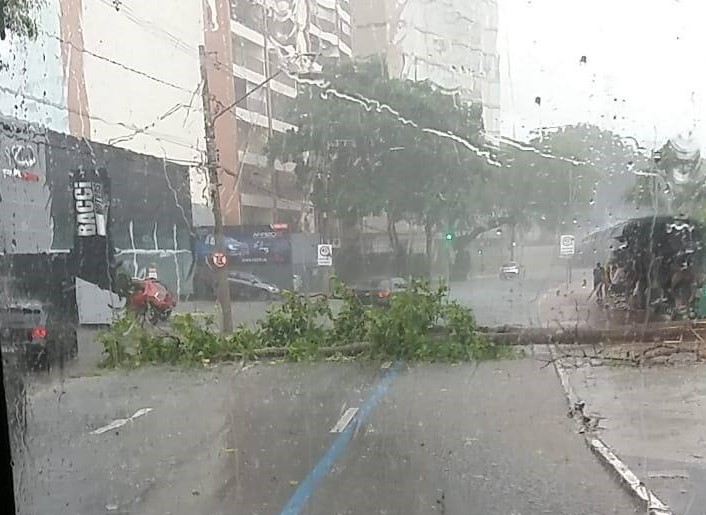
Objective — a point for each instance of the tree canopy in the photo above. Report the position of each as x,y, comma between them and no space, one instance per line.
17,17
392,155
658,190
366,144
590,166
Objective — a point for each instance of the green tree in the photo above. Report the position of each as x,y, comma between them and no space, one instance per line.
657,189
586,163
18,17
360,158
357,157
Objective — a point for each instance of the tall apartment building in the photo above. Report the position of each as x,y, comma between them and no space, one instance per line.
453,43
265,37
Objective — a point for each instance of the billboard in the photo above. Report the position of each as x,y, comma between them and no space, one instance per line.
248,244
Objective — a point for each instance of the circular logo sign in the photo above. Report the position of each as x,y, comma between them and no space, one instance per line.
324,250
567,241
219,259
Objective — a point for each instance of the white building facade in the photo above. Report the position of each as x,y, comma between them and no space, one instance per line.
452,43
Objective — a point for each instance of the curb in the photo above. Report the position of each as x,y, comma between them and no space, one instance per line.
652,504
648,500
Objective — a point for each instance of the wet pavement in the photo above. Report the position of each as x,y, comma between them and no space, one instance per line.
491,438
543,299
653,419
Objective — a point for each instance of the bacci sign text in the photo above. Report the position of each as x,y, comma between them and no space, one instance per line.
91,209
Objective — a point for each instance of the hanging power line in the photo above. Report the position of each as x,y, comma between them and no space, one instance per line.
247,94
139,130
118,63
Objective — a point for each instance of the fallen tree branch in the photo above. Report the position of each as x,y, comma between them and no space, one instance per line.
351,349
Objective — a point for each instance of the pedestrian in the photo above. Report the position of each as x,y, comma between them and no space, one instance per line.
682,285
617,280
598,281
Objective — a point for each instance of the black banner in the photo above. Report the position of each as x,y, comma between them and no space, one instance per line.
91,203
93,249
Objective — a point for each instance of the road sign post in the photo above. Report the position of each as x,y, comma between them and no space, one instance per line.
567,245
324,254
567,249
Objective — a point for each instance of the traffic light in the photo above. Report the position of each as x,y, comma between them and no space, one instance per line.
449,236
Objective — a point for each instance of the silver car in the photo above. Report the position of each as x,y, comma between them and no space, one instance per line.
509,271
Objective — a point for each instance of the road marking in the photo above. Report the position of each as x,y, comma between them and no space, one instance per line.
120,422
306,488
344,420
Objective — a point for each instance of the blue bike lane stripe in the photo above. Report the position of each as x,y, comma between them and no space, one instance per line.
322,468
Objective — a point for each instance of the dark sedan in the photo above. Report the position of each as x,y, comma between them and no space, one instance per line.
27,332
244,285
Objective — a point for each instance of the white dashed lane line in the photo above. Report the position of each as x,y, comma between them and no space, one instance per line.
115,424
344,420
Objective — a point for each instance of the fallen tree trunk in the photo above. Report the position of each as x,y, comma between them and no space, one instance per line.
585,335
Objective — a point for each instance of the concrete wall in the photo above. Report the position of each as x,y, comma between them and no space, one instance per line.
453,43
34,85
150,102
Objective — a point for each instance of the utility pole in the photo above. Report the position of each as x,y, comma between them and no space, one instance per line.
513,238
268,99
223,289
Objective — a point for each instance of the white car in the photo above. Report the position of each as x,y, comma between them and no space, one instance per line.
509,271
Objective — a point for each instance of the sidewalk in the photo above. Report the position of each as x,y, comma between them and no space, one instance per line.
654,420
564,307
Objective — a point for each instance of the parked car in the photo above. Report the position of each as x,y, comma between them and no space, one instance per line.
379,290
245,285
510,271
28,332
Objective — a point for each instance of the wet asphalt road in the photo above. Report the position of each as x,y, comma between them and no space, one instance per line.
484,439
496,302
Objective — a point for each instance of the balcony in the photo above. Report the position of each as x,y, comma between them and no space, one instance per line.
247,14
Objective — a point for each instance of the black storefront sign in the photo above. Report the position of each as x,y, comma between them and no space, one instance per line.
93,247
91,202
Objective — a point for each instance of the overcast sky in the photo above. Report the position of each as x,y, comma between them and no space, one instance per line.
645,71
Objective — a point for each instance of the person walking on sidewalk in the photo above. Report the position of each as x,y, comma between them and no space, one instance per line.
598,281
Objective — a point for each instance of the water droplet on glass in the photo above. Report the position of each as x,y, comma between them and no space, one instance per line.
574,221
498,231
591,202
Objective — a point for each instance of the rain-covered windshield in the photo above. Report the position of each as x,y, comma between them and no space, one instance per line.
352,256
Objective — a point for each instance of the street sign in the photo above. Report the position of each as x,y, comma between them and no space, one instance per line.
567,246
219,260
324,254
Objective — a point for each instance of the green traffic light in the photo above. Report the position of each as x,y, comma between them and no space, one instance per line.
449,236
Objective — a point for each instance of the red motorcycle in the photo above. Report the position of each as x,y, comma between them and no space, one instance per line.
151,300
